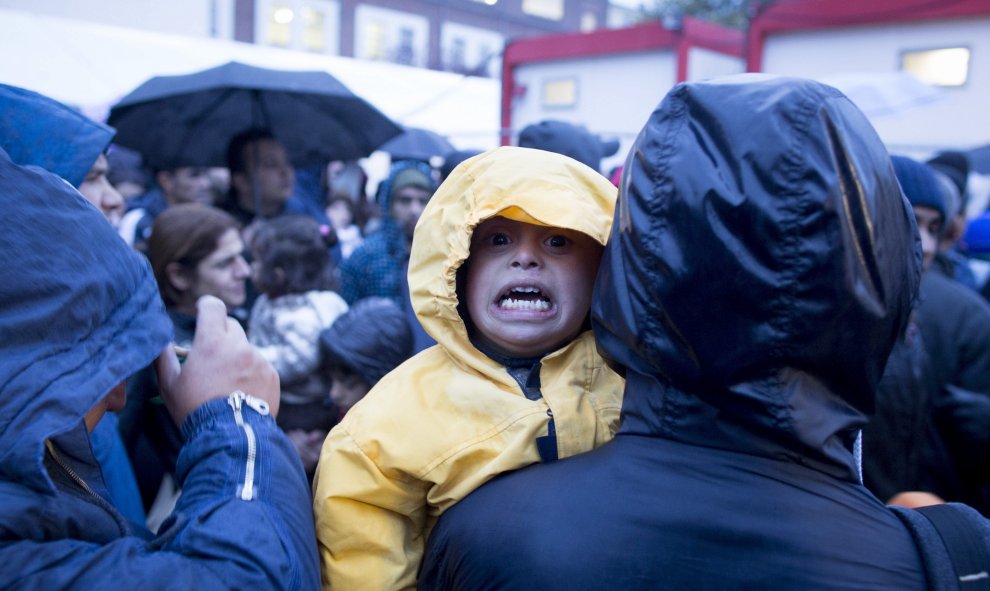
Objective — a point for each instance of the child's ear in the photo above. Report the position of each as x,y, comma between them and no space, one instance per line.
278,274
177,276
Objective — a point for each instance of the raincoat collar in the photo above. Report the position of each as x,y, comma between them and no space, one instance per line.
762,263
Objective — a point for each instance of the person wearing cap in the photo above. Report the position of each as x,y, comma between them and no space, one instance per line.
903,452
952,169
568,139
378,266
954,324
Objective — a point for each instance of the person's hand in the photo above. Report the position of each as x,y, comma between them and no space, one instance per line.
308,445
914,499
220,361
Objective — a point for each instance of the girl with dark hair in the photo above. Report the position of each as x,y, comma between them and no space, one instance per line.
292,271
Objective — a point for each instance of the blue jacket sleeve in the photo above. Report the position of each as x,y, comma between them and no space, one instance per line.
244,520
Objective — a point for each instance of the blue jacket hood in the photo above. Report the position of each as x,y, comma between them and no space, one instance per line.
39,131
79,312
758,273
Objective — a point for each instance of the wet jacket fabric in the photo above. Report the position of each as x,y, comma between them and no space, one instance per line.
451,418
762,263
79,314
955,323
902,449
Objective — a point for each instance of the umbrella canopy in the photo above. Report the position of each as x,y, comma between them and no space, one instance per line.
979,159
188,120
417,144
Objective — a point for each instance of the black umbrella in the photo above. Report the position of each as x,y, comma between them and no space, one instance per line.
188,120
417,144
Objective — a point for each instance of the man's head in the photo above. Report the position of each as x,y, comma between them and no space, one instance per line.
410,189
261,175
528,287
96,189
761,244
186,184
568,139
925,194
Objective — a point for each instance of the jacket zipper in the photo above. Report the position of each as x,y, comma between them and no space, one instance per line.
103,503
236,400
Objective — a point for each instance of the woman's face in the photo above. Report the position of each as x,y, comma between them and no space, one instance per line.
224,272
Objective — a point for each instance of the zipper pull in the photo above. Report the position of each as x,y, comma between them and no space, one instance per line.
238,398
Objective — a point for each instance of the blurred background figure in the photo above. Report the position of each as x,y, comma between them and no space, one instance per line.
378,267
453,158
261,177
185,184
293,274
127,173
368,341
341,213
568,139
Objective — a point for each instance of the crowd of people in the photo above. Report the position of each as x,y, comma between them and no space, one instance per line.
755,356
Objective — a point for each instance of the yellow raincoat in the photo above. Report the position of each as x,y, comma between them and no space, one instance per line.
451,418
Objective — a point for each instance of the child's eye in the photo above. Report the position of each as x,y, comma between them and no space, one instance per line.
557,241
498,239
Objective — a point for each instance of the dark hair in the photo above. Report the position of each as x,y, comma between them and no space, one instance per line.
236,159
297,245
185,234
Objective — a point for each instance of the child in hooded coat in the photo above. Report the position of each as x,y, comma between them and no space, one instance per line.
503,258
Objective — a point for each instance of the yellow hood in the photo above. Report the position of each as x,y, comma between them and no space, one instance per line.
520,183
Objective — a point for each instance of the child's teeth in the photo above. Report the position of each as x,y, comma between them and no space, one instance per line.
511,304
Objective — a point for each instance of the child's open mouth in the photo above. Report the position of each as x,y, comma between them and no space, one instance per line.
524,298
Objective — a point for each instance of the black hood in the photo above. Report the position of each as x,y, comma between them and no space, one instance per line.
762,262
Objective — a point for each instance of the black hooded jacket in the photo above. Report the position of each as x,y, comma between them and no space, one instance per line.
762,263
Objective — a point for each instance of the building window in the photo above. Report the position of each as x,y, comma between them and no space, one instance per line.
560,93
404,53
374,40
458,51
280,25
589,22
938,67
314,29
549,9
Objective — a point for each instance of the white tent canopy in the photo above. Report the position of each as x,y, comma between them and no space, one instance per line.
92,66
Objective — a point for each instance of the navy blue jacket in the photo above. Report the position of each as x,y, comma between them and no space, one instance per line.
79,312
761,265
